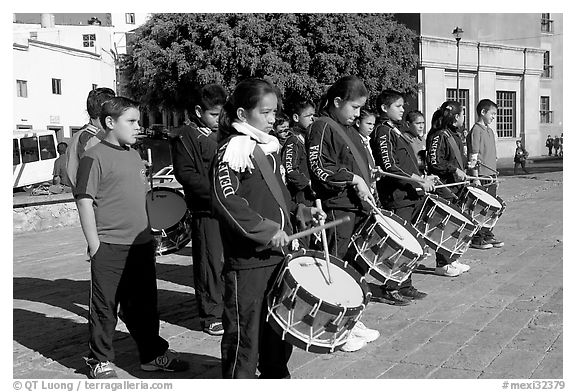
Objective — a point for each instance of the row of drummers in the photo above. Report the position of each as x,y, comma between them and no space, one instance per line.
320,297
410,208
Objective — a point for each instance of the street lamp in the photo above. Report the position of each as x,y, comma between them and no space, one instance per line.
457,33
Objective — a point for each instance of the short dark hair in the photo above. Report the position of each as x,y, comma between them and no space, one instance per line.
413,115
281,118
95,100
209,96
387,98
115,107
485,104
61,144
297,106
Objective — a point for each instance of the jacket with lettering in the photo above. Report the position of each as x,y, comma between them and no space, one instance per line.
296,165
441,158
332,165
248,213
394,154
193,150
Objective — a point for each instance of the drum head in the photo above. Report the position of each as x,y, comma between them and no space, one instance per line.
484,196
400,234
311,274
166,209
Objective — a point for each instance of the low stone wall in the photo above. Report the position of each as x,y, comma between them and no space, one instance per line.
39,213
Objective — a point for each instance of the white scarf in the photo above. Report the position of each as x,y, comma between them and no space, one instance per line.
241,148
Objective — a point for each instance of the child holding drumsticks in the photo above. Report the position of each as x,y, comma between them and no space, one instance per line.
254,209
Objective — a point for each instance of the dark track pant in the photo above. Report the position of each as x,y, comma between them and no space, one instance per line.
207,263
249,342
124,275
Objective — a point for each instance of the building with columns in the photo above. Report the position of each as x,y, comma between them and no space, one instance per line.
513,59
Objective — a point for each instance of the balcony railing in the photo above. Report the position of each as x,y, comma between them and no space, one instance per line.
547,72
546,117
547,26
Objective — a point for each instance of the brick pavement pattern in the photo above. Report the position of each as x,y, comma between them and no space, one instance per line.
503,319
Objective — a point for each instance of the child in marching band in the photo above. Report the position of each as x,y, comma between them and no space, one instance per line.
253,206
393,153
340,174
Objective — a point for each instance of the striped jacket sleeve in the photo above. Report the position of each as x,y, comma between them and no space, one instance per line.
323,152
290,159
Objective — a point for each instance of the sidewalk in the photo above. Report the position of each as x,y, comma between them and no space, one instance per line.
502,319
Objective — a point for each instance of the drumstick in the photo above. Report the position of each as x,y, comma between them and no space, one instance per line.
309,231
448,185
150,168
377,210
488,167
399,177
325,243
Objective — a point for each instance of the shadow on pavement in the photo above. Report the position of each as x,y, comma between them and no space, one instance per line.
65,342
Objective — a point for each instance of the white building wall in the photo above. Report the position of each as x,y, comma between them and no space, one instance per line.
38,64
484,70
121,28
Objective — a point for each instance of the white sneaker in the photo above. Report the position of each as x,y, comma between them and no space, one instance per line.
360,330
354,343
447,270
461,266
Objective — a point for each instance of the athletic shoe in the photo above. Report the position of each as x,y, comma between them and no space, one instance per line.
495,243
216,328
100,370
360,330
412,292
353,343
447,270
167,362
392,298
482,244
461,266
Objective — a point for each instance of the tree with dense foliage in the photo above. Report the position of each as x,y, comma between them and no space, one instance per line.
301,54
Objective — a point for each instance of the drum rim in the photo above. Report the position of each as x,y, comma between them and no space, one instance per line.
311,299
451,205
175,225
491,207
293,339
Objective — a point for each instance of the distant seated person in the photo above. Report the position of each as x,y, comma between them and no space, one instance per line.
60,176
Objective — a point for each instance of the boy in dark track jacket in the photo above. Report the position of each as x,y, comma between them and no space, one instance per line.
193,150
393,153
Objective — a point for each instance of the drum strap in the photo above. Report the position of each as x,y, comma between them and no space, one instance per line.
454,148
355,153
271,181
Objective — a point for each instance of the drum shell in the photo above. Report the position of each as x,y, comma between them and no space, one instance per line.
178,233
391,261
443,231
482,212
331,323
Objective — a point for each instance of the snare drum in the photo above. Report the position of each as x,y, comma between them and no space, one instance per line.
169,218
484,208
445,229
388,247
310,313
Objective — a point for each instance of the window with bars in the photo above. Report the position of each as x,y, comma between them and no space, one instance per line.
547,69
546,115
546,24
506,114
463,100
22,88
57,86
88,40
130,18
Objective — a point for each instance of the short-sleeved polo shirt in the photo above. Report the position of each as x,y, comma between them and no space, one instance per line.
114,177
481,140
